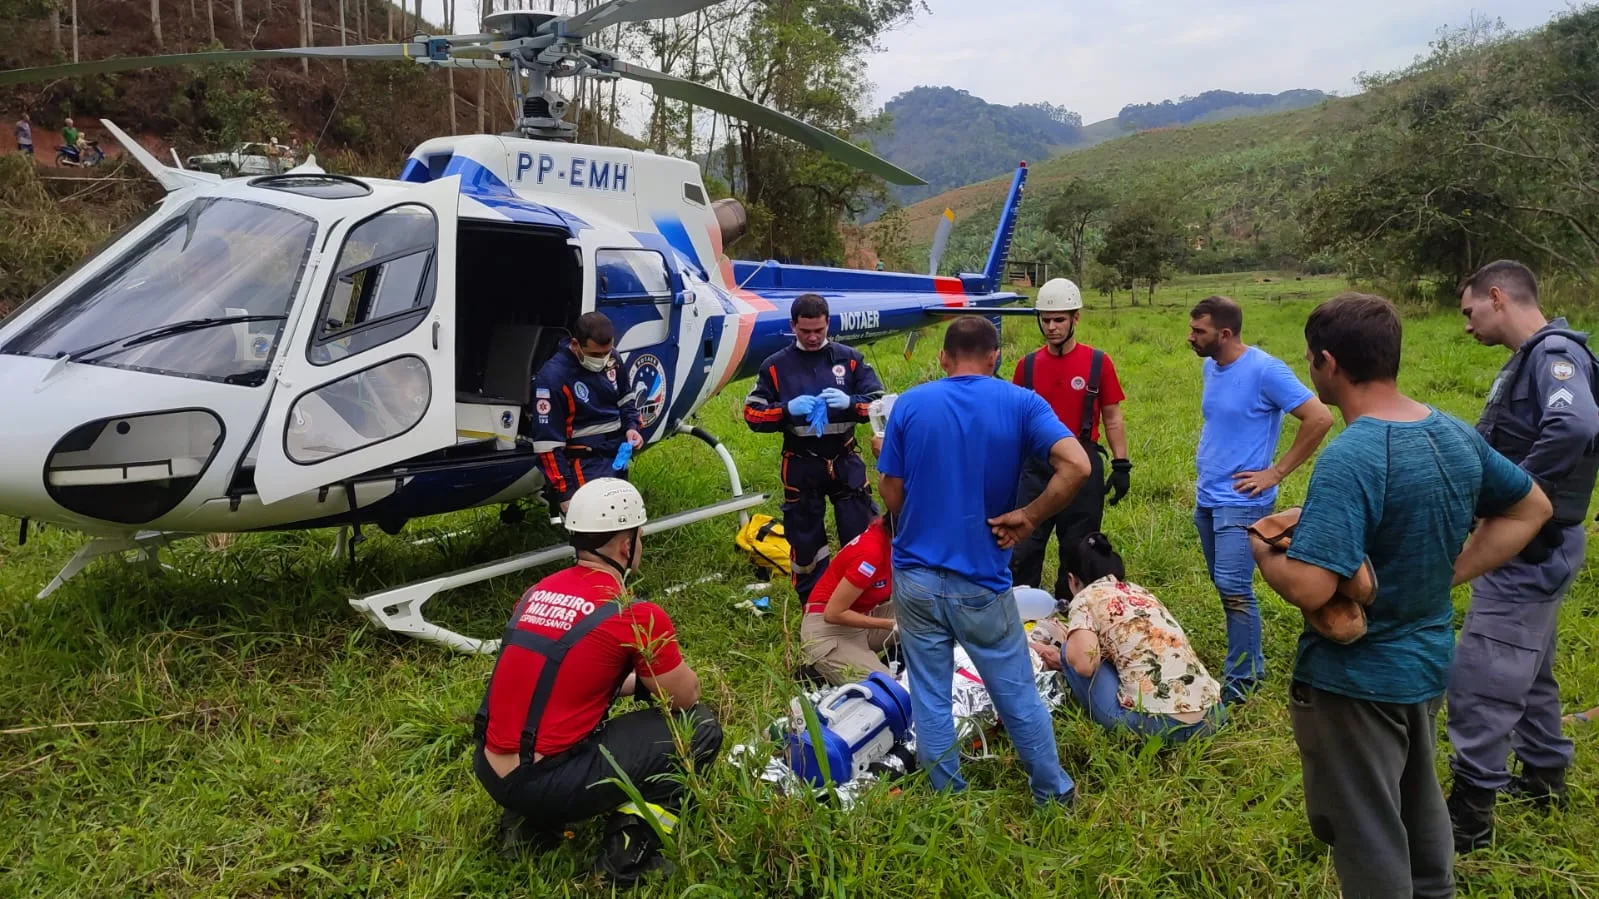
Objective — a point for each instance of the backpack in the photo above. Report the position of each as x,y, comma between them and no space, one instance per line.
765,543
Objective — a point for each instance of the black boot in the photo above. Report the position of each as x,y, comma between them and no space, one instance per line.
1544,786
631,850
1471,816
516,836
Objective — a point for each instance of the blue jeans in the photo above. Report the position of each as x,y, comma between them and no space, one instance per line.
1223,537
935,609
1098,695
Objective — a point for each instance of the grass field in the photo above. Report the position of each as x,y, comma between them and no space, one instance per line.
279,747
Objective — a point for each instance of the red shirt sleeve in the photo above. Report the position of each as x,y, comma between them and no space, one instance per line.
862,570
653,641
1110,388
1016,375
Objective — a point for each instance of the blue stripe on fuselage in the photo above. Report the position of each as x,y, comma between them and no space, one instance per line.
671,228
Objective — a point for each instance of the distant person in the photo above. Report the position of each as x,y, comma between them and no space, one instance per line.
575,644
816,468
1079,382
584,410
1503,696
952,454
71,136
1246,393
24,136
850,618
1128,662
1402,486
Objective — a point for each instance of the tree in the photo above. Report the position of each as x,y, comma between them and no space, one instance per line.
155,21
1141,242
891,238
1077,207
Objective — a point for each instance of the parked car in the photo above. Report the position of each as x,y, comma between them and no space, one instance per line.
246,159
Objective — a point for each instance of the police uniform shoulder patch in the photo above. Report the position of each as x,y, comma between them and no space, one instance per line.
1560,399
1562,370
544,405
582,391
838,371
542,393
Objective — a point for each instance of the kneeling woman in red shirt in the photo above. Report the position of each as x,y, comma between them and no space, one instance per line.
850,619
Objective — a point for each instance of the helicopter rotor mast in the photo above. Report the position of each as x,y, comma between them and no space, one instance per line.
535,49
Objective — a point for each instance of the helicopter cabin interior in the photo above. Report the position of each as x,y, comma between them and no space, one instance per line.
518,292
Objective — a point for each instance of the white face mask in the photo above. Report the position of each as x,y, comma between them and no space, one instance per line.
596,363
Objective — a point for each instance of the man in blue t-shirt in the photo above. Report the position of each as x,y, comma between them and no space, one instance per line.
950,463
1401,486
1246,393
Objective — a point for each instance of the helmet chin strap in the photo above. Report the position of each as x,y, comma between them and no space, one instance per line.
620,569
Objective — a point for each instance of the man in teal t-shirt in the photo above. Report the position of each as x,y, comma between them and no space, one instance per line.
1401,485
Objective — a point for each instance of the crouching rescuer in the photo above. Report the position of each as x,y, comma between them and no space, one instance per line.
575,644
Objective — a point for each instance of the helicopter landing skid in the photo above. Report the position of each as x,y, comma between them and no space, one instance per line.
146,543
399,609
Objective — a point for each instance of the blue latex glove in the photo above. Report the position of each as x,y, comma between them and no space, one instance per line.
623,456
818,418
834,398
801,406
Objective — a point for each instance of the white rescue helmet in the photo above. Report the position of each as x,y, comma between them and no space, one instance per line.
1059,295
605,505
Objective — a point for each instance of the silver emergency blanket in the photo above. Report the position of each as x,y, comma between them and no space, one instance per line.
975,725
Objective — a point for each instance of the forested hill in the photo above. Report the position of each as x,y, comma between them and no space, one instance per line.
952,138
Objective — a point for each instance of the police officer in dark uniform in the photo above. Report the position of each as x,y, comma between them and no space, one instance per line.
582,415
816,468
1502,692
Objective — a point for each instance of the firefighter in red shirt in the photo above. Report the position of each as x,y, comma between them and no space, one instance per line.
575,644
1079,383
850,617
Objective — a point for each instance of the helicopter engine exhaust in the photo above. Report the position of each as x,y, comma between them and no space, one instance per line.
732,219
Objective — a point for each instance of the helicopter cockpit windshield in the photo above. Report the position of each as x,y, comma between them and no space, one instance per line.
204,295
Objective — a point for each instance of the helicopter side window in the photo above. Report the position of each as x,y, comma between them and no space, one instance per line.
358,410
383,284
631,276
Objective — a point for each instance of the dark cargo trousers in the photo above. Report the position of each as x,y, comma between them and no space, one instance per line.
1081,517
1372,793
1502,690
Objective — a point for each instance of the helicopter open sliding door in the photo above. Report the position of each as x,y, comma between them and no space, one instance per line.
367,379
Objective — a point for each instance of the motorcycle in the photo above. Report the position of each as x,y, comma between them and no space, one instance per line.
67,155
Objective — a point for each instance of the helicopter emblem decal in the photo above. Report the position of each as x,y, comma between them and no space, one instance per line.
649,386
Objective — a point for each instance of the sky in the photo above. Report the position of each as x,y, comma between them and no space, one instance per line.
1096,56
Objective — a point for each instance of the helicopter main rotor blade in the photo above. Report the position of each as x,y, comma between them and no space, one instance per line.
419,51
756,114
607,14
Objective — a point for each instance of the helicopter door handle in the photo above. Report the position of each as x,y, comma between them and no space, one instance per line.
435,336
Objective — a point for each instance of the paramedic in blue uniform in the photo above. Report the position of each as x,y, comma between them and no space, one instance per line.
1503,697
816,468
581,417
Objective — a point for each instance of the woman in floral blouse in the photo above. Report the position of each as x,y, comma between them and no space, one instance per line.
1127,660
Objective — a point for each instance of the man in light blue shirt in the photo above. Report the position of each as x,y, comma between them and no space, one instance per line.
1246,393
951,459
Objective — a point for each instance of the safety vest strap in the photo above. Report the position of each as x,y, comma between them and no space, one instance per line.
553,652
1091,396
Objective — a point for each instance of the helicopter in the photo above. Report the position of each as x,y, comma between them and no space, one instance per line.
306,349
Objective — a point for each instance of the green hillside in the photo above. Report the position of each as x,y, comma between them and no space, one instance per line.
1244,151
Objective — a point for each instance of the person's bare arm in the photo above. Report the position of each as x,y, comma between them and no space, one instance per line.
680,687
1069,462
1499,538
1082,652
1315,420
838,609
1305,586
1115,430
893,491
